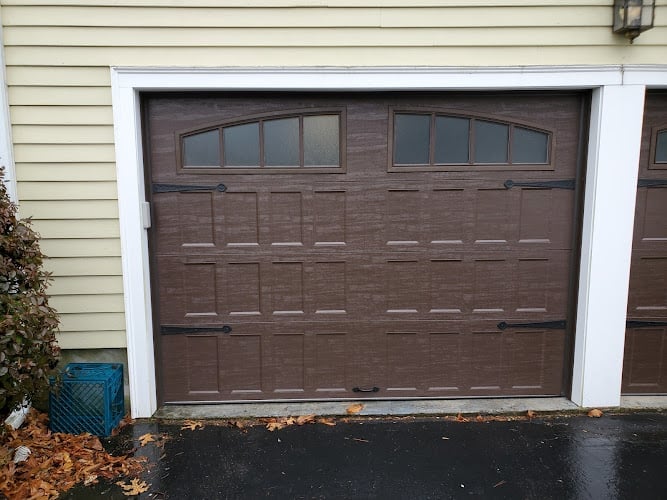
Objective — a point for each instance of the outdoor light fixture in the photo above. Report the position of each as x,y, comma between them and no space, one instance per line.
631,17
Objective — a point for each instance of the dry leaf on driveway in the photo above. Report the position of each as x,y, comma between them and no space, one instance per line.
531,414
146,438
355,408
326,421
135,487
595,413
305,419
192,425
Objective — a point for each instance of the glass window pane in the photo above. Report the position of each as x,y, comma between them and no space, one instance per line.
241,145
321,140
661,147
490,142
411,139
202,150
451,139
529,146
281,142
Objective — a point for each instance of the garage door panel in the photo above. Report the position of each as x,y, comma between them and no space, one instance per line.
645,362
296,283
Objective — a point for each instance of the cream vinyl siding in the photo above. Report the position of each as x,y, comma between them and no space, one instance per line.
58,54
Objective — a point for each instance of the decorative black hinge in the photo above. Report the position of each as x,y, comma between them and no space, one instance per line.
633,323
548,325
563,184
642,183
174,330
182,188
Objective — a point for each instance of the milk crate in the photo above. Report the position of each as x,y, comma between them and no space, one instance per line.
88,398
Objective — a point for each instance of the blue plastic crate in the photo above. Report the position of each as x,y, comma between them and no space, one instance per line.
88,399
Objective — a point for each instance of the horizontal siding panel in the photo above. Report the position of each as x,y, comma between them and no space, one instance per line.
38,153
61,134
322,17
82,248
58,115
67,191
63,229
86,285
60,96
85,266
48,37
92,340
65,172
66,209
316,56
91,321
58,75
89,303
306,3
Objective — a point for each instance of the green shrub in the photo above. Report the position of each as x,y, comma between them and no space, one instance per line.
28,347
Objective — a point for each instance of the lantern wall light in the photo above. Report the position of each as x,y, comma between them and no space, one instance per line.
631,17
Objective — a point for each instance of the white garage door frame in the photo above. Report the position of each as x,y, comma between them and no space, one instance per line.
611,178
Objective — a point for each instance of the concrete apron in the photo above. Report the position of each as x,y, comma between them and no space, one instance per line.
394,407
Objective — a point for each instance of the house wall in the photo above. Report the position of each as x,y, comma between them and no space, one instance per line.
58,54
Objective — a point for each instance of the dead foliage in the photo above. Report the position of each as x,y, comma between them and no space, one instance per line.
133,488
275,424
354,408
57,462
595,413
192,425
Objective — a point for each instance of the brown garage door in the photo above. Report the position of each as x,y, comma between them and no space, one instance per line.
645,361
326,246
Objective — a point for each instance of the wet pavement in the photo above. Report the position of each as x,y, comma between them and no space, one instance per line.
616,456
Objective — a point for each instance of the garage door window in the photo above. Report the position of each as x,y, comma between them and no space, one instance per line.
433,141
661,147
300,142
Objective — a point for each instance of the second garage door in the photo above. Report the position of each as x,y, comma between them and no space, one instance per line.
362,245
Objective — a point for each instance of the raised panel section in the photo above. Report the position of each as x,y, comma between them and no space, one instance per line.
448,210
199,289
288,362
486,361
202,364
444,362
330,368
491,216
404,362
241,364
490,286
536,215
648,283
526,351
328,290
403,217
403,286
286,215
240,223
654,227
196,219
532,279
243,288
329,218
645,367
287,288
447,288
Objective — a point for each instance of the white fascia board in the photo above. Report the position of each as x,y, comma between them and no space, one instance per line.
127,82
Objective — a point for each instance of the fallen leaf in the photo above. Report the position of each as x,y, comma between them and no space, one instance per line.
359,440
531,414
192,425
305,419
354,408
236,423
499,483
135,487
326,421
461,418
146,438
595,413
479,418
275,426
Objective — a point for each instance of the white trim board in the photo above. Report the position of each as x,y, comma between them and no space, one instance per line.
590,384
6,149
